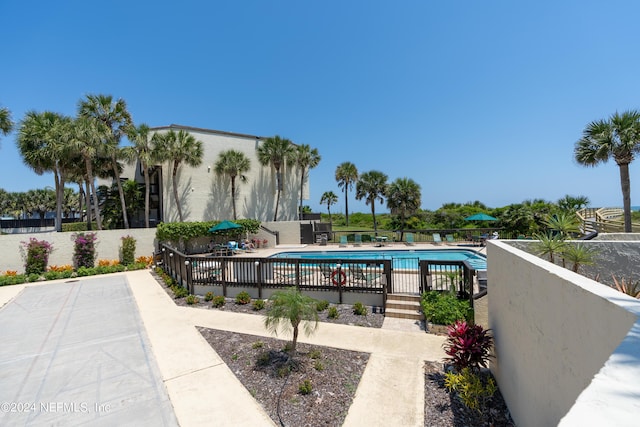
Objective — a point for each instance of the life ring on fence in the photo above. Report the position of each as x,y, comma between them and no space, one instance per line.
343,277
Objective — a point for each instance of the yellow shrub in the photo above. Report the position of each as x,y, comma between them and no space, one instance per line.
10,273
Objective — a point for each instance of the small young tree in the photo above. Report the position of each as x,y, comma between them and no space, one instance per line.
291,307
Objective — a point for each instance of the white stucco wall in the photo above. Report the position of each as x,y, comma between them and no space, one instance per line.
205,196
108,246
554,331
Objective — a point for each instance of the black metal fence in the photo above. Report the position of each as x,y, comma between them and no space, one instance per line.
445,276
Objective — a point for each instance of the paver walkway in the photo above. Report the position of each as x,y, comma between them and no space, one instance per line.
77,354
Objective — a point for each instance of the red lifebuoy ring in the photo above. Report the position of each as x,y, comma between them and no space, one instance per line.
343,277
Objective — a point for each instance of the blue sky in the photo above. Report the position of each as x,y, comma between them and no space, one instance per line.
472,100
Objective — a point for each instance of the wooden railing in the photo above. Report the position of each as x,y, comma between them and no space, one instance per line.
603,220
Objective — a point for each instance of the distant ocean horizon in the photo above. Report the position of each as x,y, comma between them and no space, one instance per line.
635,208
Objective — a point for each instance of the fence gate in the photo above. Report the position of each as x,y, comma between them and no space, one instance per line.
405,276
306,234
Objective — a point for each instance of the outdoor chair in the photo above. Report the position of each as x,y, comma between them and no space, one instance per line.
482,279
359,276
410,241
343,242
450,240
357,240
437,239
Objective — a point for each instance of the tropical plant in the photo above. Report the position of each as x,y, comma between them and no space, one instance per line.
329,198
117,122
563,223
84,250
305,158
6,124
178,148
128,250
579,254
548,244
234,164
627,286
573,203
444,308
470,388
277,152
37,255
44,142
467,346
346,176
617,138
290,307
143,150
403,198
40,202
372,186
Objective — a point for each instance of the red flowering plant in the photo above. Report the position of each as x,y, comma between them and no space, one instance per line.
37,256
468,346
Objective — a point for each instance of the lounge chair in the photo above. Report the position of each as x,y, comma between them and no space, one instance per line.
357,240
482,279
326,271
290,278
359,276
450,240
437,239
343,242
409,241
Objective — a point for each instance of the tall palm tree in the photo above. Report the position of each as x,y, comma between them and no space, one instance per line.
87,142
617,138
346,175
372,186
178,148
329,198
142,150
5,121
277,152
305,158
115,116
573,203
233,164
44,141
40,201
403,196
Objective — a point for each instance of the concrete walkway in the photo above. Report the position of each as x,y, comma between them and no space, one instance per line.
203,391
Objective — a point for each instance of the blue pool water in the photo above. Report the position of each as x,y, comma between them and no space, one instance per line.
478,261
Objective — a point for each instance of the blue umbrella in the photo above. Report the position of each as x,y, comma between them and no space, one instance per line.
224,226
480,217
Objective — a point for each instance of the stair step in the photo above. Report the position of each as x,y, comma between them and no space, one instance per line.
399,297
405,305
403,314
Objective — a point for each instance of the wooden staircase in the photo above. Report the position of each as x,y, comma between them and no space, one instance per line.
404,307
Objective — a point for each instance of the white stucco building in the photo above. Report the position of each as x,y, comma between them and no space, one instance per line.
205,196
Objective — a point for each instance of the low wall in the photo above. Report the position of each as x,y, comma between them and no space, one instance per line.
108,246
554,331
289,232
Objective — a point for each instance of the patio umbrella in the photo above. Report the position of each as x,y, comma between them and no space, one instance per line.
224,226
480,217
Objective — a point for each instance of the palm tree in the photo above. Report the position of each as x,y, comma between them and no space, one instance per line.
5,121
178,148
116,118
142,150
579,254
87,141
44,141
617,138
305,158
403,196
40,201
292,307
276,151
233,164
548,244
346,175
572,203
565,224
329,198
372,186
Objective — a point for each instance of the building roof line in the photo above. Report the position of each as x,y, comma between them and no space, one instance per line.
196,129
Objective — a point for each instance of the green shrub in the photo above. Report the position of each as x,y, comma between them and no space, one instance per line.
33,277
180,292
444,308
13,280
78,226
359,309
318,365
218,301
322,305
128,250
333,313
53,275
243,298
257,344
208,296
84,250
258,304
86,271
470,388
305,387
192,299
315,354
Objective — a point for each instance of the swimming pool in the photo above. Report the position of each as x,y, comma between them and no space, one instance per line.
477,261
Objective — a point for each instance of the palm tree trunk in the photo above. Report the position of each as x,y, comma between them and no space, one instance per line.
175,190
96,205
279,185
123,203
626,195
146,196
81,197
301,189
87,197
373,214
59,180
346,205
295,339
233,196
